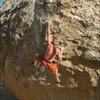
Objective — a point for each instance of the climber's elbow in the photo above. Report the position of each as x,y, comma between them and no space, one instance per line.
60,57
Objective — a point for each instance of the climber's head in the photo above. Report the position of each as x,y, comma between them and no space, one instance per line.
55,41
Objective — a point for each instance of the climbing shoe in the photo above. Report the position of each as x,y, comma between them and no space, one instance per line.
58,81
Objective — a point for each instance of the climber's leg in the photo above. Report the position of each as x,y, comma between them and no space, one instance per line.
57,76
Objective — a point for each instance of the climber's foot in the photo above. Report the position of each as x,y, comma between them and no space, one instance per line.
58,81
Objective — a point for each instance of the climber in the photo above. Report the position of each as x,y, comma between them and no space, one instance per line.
51,52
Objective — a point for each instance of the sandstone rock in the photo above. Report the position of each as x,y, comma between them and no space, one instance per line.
23,33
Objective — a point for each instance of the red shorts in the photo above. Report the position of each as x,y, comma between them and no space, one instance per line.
48,65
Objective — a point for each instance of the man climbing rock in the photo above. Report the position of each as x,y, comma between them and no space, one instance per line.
51,52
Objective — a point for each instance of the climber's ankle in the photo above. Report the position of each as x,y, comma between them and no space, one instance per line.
58,81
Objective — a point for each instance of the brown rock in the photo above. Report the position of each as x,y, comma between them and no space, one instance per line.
23,33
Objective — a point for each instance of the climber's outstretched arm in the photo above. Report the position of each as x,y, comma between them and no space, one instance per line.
49,39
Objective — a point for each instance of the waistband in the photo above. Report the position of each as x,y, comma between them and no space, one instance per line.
47,61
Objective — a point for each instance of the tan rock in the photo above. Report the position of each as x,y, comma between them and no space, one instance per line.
75,23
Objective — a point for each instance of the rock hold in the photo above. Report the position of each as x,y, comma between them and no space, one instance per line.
75,23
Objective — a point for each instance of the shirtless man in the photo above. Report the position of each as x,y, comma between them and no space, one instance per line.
51,52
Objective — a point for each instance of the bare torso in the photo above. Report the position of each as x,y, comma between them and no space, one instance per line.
50,52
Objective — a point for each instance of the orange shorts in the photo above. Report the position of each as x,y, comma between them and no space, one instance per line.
48,65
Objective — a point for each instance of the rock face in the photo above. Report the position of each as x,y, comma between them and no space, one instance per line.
23,33
5,94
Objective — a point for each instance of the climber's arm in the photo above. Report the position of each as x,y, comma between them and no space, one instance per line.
60,54
35,61
49,39
36,58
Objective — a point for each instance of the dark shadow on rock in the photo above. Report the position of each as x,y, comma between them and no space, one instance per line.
40,31
11,29
5,94
76,60
8,44
84,24
82,79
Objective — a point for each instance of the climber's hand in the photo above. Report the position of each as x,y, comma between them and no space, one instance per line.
62,48
34,64
49,21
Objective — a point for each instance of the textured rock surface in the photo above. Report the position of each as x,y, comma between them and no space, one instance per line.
23,33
